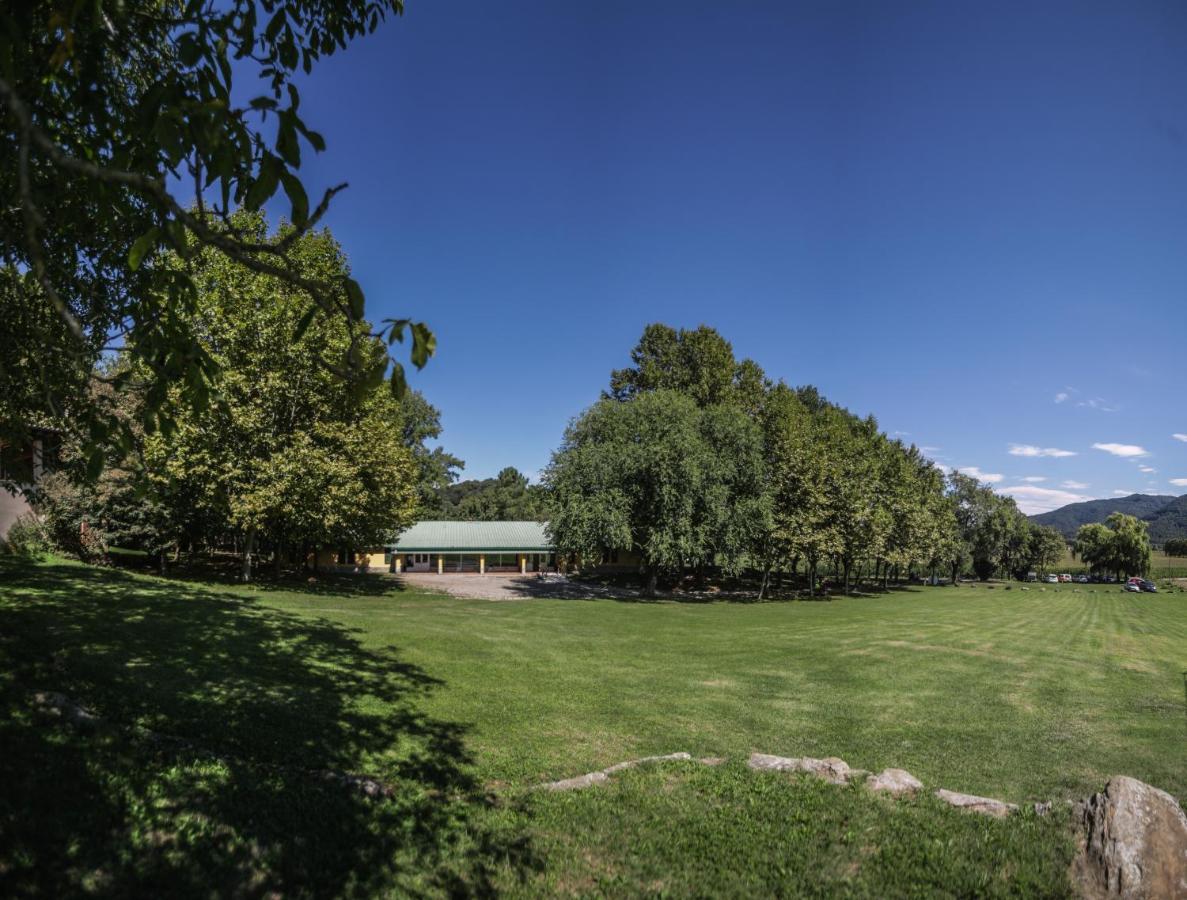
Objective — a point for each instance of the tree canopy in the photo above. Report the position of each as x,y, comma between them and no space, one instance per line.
127,143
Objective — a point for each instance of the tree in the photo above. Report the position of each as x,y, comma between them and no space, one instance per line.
108,111
1093,545
696,362
631,476
1045,547
437,468
506,497
1175,547
1130,544
285,451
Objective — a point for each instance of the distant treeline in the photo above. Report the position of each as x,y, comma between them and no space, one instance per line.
506,497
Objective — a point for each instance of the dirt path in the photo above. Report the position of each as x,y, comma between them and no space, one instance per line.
513,587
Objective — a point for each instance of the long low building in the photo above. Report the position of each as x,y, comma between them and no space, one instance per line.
473,547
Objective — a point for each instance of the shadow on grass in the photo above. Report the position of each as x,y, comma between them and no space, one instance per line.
226,570
261,702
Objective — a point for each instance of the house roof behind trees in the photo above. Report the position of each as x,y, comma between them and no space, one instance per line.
504,537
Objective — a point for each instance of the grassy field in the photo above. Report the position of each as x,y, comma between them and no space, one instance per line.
224,706
1161,565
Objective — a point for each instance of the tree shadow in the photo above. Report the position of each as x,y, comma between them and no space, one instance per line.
207,773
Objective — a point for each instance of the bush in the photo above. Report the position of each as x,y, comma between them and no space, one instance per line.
28,537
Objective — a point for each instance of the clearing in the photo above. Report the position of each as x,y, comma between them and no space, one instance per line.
223,707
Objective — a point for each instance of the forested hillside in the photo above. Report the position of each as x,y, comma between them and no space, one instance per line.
1167,515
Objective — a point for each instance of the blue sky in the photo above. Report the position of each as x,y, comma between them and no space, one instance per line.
968,219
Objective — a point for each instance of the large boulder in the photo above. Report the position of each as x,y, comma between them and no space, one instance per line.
1134,844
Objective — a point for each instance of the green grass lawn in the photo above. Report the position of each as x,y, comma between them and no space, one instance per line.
224,704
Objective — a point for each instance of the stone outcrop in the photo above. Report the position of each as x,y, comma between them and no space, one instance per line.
984,805
895,782
1134,844
591,778
831,769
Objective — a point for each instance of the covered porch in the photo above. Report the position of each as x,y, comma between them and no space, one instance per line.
473,547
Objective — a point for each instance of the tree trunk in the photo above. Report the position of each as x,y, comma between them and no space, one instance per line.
846,566
811,577
305,556
766,575
249,543
277,562
652,578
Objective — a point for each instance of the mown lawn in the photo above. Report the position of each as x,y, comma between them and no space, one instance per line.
223,706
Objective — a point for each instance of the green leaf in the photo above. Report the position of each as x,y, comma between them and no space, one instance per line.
399,384
94,463
354,294
188,48
304,322
286,141
265,184
142,246
297,197
424,344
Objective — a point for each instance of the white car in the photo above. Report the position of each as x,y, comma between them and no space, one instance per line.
1052,579
1133,588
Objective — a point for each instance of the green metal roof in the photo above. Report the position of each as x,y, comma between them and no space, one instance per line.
474,537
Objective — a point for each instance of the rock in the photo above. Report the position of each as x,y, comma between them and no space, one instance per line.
833,770
572,784
1134,844
711,760
895,782
984,805
591,778
1042,809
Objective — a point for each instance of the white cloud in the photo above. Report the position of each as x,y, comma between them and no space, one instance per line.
1075,485
1122,493
901,434
1061,396
1179,437
990,477
1147,469
1031,450
1179,482
1099,403
1129,451
1034,479
1033,500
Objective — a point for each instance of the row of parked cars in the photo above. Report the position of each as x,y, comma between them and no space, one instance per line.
1133,585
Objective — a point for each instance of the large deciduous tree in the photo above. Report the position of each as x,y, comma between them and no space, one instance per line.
633,476
285,450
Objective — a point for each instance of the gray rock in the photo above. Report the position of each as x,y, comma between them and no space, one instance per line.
591,778
984,805
831,769
1134,845
896,782
572,784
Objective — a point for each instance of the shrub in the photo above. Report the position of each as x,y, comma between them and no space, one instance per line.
28,537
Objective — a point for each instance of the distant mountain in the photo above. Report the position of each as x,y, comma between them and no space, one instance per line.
1169,522
1167,515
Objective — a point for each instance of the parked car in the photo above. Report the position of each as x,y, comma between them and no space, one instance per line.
1132,588
1149,587
1065,579
1081,579
1032,576
1136,579
1052,579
